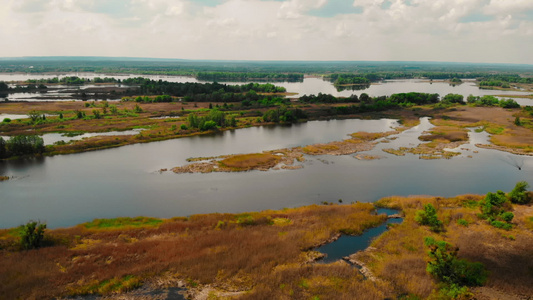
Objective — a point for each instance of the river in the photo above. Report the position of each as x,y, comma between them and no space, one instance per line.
69,189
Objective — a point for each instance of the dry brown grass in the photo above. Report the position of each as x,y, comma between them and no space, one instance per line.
230,251
243,162
400,254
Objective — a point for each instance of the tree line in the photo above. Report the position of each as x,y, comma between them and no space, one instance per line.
247,76
21,145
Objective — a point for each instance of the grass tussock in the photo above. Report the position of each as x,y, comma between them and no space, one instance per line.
446,134
250,161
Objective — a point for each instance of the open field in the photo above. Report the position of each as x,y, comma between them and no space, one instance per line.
267,255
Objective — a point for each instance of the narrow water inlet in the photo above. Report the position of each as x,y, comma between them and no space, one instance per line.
348,244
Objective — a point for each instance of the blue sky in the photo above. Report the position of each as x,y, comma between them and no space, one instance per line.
410,30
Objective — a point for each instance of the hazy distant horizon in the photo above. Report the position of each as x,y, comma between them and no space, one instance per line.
162,59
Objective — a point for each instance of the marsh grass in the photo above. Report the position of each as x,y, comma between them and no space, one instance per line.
122,223
400,256
250,161
232,252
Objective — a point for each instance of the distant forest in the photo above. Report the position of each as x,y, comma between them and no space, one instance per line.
270,70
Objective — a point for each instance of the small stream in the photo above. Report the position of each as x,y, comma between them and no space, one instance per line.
350,244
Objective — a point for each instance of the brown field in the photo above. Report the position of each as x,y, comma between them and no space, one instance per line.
231,252
399,255
499,122
267,255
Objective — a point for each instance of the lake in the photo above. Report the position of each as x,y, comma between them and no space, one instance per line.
309,86
69,189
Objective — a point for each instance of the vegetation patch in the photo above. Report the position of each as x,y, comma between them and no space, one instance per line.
250,161
121,223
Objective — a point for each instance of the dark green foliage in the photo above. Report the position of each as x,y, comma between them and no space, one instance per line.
519,194
453,98
428,217
517,121
246,76
507,216
32,235
493,209
284,115
3,149
492,205
488,100
23,145
448,269
327,98
96,114
80,114
509,103
208,125
3,86
501,225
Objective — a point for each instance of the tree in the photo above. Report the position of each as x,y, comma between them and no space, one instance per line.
492,205
34,115
447,268
519,194
32,235
428,216
3,150
193,120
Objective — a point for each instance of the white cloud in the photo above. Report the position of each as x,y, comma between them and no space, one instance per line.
438,30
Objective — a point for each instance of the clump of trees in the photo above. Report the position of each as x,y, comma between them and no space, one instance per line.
495,206
455,274
488,100
214,119
247,76
284,115
21,145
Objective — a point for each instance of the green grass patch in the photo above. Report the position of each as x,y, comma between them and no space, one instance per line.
114,285
118,223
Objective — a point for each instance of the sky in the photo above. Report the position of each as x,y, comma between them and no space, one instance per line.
489,31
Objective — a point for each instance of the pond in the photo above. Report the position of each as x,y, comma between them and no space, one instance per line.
348,244
69,189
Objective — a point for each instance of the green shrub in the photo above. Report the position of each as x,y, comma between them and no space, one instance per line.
453,272
462,222
507,216
519,194
428,216
32,235
501,225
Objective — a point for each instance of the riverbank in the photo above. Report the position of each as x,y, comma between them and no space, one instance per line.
162,121
266,254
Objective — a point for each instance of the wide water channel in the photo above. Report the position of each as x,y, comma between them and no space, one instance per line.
69,189
308,86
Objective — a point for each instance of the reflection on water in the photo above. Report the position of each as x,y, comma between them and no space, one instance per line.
70,189
347,244
307,87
